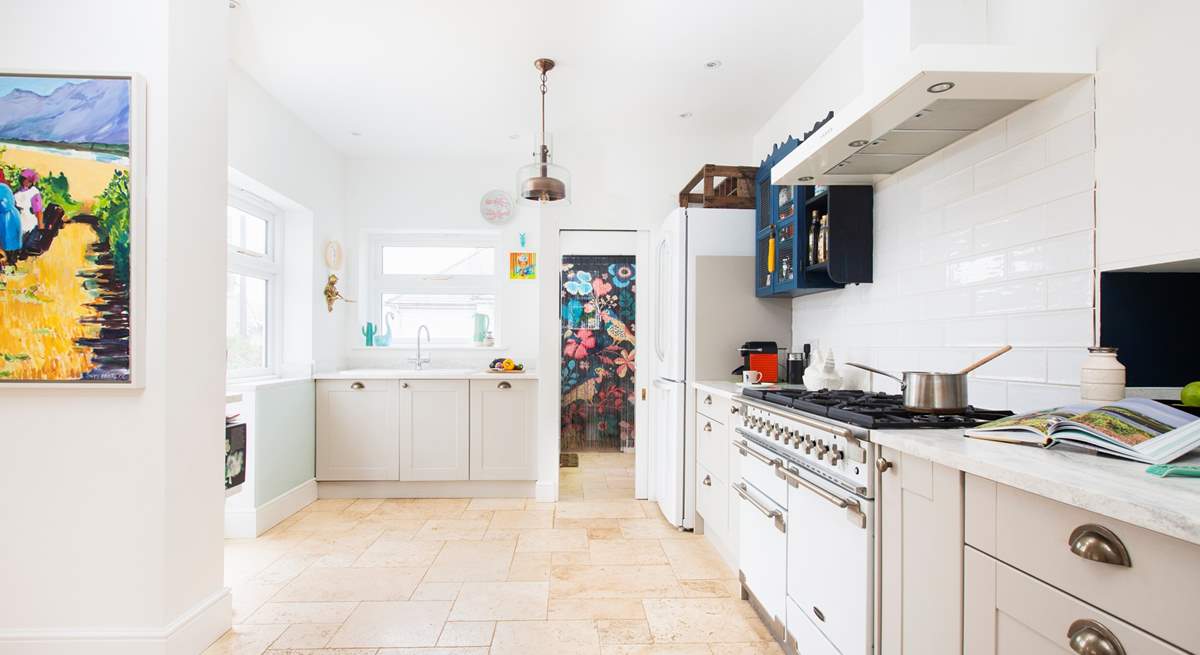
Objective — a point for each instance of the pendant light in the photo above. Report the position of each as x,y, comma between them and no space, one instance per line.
543,181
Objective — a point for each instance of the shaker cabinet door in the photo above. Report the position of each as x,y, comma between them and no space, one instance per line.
358,431
920,536
434,430
503,430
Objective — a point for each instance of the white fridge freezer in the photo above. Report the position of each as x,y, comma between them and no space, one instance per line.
704,309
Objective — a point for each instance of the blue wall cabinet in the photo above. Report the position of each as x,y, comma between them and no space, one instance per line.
806,257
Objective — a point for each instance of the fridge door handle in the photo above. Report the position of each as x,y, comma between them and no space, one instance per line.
658,306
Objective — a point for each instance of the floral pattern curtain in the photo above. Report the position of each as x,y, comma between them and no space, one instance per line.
599,351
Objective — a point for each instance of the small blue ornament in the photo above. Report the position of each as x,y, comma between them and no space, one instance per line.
522,237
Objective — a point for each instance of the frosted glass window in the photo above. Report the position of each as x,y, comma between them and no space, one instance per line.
438,260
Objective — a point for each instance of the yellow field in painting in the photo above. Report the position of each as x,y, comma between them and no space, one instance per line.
87,177
41,304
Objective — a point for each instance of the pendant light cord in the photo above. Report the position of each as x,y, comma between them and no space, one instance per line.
543,90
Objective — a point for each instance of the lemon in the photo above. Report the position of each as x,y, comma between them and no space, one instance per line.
1190,395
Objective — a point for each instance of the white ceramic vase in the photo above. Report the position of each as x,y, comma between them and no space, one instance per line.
1102,378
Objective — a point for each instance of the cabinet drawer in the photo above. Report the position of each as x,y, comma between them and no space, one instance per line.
712,439
1009,613
712,503
713,405
1157,592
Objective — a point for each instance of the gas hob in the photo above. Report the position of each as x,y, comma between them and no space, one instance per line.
872,410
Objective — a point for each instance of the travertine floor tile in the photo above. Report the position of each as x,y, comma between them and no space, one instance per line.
452,530
316,612
600,509
699,620
246,640
481,650
325,522
601,608
467,633
711,588
545,638
249,596
501,601
644,528
329,505
623,631
472,561
695,559
497,503
756,648
627,551
436,591
306,635
352,584
402,623
614,582
656,649
552,540
522,519
364,506
400,553
530,567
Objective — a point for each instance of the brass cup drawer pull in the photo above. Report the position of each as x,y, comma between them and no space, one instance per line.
1099,544
1088,637
708,400
504,385
708,427
707,481
357,386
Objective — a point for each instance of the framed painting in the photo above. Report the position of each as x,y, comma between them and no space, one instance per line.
71,210
522,266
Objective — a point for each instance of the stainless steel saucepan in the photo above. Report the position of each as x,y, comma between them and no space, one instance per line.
934,393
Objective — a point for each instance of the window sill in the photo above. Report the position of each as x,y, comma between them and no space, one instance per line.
426,346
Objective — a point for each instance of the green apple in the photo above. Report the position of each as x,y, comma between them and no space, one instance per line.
1190,395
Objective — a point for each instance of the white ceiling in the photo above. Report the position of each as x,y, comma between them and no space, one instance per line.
445,78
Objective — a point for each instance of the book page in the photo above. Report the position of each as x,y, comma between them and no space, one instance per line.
1129,423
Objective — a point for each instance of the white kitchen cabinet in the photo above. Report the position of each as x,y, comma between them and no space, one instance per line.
1010,613
358,426
435,430
921,554
503,430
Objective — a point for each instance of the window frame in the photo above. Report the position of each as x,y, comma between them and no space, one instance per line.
379,284
268,267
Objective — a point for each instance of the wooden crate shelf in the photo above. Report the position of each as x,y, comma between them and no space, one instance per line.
725,187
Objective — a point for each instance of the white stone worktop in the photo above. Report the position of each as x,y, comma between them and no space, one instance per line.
1113,487
719,387
424,374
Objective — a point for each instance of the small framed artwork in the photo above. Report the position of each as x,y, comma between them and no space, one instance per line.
71,215
522,266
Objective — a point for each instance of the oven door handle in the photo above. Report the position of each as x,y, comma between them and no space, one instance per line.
743,447
854,511
772,514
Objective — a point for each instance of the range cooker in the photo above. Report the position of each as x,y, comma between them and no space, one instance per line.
808,486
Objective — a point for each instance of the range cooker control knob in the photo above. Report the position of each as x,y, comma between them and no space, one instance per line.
821,449
787,437
835,456
808,444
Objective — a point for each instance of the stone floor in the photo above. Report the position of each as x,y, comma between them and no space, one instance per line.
595,573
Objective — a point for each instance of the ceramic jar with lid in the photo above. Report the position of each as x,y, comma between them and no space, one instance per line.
1102,378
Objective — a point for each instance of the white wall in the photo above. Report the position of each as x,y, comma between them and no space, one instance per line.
113,499
268,144
985,243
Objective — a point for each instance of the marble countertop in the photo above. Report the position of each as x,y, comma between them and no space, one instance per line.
719,387
424,374
1116,488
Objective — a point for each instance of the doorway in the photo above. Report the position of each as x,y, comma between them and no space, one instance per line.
602,408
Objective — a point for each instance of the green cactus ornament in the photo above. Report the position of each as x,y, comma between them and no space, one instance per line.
368,333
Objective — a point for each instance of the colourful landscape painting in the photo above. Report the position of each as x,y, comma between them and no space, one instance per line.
65,232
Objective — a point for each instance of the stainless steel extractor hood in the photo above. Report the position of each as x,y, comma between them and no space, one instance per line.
940,95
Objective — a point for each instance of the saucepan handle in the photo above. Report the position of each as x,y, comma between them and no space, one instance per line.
875,370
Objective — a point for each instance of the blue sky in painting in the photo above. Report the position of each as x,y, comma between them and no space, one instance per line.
39,85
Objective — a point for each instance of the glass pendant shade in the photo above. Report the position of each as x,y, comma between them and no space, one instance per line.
543,181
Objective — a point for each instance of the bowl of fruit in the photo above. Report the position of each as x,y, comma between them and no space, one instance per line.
505,365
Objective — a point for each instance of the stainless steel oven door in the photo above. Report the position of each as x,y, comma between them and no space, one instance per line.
830,572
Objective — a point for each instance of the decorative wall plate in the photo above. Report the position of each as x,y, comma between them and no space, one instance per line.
496,207
333,255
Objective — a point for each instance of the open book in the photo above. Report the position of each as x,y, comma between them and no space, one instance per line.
1139,429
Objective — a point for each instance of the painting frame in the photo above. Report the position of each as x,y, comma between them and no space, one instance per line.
522,265
137,233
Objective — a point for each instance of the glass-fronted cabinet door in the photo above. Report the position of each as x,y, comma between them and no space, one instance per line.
764,279
784,276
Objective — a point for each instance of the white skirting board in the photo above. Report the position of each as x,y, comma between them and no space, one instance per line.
249,523
189,634
431,489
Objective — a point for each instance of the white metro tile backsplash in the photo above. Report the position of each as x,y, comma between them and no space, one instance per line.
989,241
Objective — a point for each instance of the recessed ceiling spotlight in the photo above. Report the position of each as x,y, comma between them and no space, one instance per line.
356,134
712,63
806,178
514,136
858,143
234,4
686,114
940,87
